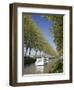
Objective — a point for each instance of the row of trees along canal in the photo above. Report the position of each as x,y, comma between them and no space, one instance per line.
33,38
57,31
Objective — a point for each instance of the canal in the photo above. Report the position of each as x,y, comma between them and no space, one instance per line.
36,69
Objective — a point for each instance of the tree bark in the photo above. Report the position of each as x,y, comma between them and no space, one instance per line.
36,53
29,51
26,51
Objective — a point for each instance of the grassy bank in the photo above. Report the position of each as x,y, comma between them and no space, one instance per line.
56,67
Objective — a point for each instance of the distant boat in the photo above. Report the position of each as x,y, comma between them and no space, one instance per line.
39,61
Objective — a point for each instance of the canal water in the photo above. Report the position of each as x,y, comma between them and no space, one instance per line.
34,69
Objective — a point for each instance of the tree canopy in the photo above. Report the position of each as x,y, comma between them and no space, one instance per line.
33,38
57,31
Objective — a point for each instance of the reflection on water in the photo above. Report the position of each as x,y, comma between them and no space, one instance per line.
34,69
39,68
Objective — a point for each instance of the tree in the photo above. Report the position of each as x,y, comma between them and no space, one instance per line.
34,39
57,31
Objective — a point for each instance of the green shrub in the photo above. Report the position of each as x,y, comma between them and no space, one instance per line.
57,67
29,60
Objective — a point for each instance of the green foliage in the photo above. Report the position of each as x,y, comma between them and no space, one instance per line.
57,31
33,37
57,67
29,60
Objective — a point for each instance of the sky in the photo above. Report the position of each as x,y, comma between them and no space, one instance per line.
45,27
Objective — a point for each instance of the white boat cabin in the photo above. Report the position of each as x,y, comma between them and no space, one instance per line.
41,61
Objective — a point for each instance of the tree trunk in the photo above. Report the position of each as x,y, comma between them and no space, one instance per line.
36,53
40,53
26,51
29,51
